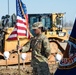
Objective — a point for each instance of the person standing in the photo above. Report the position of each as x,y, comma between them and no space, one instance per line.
40,47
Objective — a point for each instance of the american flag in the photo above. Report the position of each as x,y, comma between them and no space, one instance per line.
21,28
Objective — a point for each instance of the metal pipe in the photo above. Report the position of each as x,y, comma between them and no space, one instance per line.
8,7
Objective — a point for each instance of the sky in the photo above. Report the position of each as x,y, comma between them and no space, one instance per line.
42,6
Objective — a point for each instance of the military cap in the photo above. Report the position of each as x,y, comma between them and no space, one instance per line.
36,25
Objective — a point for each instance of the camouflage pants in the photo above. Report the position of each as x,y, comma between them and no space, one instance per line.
41,69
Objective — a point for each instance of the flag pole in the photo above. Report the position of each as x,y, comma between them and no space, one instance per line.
18,44
6,64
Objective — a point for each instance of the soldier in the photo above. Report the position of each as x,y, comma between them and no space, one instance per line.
40,50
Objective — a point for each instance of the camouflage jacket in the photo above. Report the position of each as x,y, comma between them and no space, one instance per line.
40,48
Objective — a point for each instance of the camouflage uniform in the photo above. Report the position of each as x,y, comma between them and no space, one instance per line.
40,51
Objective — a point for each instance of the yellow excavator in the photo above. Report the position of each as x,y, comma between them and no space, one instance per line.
53,29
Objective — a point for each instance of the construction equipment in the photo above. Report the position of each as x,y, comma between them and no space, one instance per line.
53,29
53,25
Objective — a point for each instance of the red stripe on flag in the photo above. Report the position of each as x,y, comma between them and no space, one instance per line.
20,21
21,28
14,38
21,34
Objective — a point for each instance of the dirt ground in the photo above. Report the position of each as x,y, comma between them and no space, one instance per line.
13,70
27,70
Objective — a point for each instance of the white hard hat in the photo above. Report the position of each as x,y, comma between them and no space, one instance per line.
6,55
58,57
23,56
